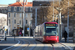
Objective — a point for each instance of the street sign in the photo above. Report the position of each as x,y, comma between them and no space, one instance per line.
27,29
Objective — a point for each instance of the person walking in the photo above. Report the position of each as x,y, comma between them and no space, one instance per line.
65,36
20,32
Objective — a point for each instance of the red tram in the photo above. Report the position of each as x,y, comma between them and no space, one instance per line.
47,32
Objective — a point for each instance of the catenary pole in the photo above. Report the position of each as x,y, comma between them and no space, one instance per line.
8,27
23,17
35,17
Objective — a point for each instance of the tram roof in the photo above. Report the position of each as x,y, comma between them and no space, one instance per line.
50,23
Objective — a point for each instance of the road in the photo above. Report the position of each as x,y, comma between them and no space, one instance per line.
28,43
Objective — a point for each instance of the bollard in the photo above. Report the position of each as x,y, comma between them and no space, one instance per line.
14,37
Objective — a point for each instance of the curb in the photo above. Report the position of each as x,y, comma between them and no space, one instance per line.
11,46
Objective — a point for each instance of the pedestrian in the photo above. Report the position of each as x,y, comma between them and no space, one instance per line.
65,36
20,32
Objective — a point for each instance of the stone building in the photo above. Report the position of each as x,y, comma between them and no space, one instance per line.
3,20
3,9
16,12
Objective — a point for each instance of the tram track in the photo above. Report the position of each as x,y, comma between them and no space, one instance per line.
53,46
31,44
26,44
44,46
16,46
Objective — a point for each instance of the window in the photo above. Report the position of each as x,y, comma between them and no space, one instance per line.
14,21
20,14
9,8
26,8
9,21
15,8
9,14
20,21
14,14
19,8
31,15
26,15
26,21
30,9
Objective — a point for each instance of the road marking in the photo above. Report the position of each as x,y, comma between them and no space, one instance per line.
33,46
70,48
67,46
28,44
11,46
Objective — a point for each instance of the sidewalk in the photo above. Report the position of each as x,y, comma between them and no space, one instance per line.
9,42
69,43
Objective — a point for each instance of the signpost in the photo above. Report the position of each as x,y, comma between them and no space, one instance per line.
28,29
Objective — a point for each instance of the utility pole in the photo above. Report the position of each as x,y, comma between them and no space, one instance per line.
8,27
59,22
68,23
35,17
24,17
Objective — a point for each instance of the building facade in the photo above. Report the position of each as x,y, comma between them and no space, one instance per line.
15,15
3,9
3,20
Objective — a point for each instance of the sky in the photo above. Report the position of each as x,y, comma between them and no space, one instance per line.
6,2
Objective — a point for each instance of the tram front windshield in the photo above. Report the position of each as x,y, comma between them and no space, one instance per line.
50,31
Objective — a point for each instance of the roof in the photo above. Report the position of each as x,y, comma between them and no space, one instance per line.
29,4
2,5
51,23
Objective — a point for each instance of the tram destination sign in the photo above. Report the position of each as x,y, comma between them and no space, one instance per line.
50,24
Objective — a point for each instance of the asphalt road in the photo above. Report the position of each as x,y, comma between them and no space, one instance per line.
28,43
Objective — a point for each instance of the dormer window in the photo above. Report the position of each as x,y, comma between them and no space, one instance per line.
20,8
30,9
26,9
